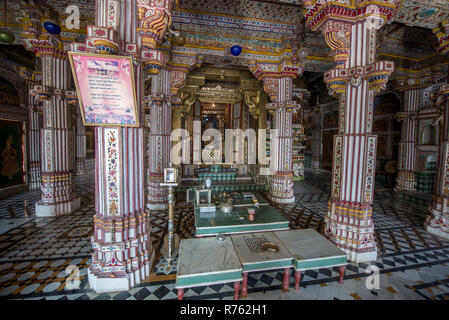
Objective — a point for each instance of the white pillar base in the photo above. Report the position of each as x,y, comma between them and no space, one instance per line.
361,257
108,284
52,210
281,200
157,206
438,232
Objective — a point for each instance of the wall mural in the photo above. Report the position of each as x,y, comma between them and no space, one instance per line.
8,94
11,153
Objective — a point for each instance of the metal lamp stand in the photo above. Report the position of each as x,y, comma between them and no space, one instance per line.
169,249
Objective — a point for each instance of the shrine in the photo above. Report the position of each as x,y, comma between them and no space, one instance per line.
237,149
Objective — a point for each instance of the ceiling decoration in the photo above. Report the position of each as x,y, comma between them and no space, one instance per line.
423,13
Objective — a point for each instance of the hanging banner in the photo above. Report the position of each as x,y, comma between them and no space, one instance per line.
106,89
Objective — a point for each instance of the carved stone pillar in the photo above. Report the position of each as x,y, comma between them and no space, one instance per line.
123,254
350,31
57,193
159,139
406,180
278,85
437,222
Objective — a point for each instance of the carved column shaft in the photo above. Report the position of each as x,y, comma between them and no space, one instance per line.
409,138
437,222
350,31
57,193
159,139
123,253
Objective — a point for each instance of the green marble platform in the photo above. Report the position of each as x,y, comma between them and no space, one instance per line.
230,186
213,223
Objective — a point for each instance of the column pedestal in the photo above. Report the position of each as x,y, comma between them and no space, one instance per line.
437,222
351,228
52,210
281,188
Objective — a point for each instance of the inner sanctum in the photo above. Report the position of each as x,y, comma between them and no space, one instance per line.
243,149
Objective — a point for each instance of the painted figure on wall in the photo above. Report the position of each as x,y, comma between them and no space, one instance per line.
9,156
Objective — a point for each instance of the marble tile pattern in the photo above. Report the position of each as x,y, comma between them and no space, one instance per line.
42,258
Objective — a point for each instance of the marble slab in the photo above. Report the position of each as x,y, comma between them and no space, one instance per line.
207,261
253,258
311,250
266,219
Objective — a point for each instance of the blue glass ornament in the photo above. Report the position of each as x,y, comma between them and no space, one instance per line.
52,27
236,50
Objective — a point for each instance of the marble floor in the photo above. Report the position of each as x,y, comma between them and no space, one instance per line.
40,256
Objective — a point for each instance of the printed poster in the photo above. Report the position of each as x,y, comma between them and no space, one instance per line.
106,90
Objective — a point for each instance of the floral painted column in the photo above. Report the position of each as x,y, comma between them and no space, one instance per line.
123,254
350,31
437,222
154,18
278,85
58,197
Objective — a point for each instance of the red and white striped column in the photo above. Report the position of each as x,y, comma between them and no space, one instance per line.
437,222
121,243
350,31
58,197
406,180
159,139
281,187
279,87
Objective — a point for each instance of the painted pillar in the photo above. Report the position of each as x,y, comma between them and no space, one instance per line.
159,139
350,31
316,140
34,126
121,243
437,222
154,18
278,85
80,143
406,180
57,194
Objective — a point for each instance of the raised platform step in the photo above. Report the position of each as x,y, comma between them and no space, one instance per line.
423,199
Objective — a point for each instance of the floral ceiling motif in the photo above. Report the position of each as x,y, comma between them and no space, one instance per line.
423,13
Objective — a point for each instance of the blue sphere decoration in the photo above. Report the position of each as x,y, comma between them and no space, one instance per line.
52,27
236,50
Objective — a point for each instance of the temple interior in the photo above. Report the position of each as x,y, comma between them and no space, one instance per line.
235,149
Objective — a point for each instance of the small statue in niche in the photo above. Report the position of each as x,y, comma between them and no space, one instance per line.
9,156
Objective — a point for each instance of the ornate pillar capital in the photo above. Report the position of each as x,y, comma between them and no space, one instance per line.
154,19
376,75
179,66
319,12
286,68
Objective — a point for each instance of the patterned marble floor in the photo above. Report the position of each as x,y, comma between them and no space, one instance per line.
37,255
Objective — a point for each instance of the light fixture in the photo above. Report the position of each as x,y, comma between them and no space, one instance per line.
302,53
